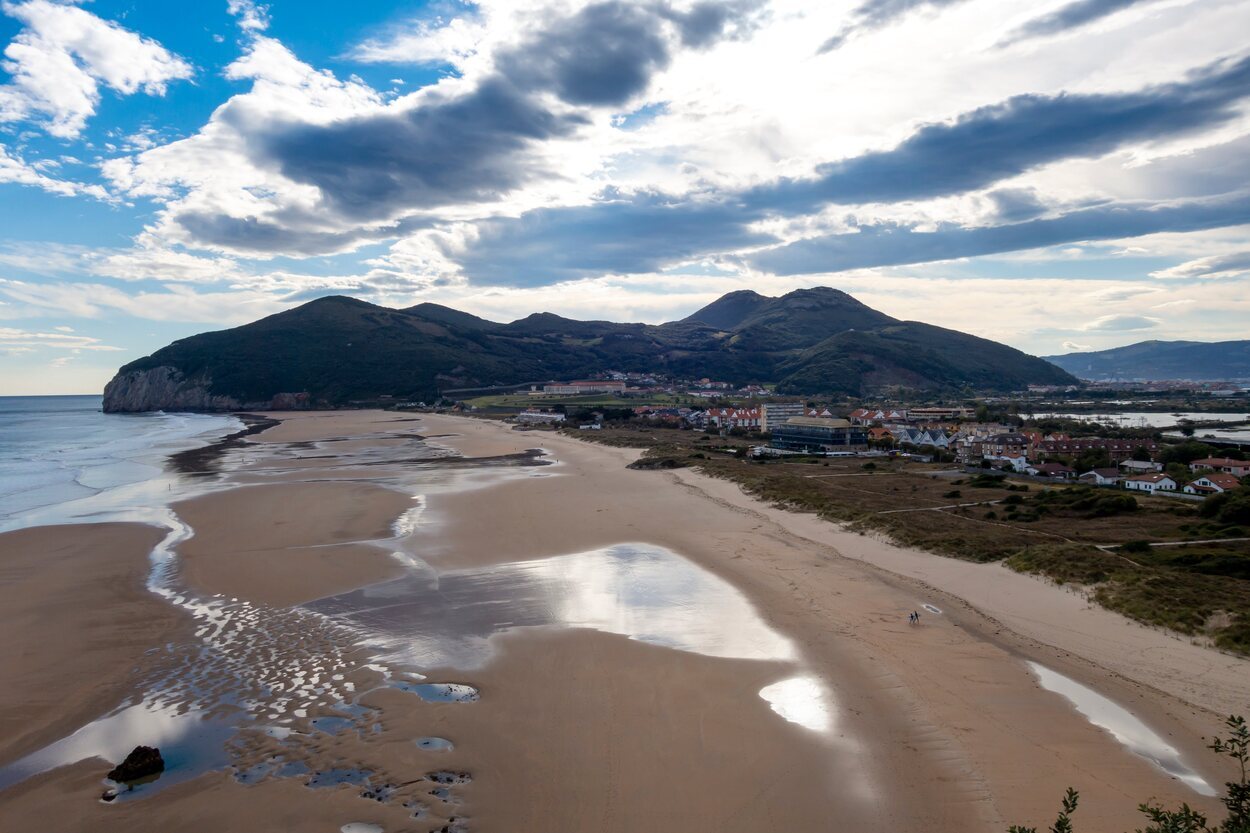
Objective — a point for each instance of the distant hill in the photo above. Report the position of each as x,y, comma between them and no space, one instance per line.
1198,361
337,350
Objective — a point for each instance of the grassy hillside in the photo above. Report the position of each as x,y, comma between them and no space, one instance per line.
814,341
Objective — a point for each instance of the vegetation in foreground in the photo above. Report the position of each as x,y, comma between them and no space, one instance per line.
1236,799
1096,539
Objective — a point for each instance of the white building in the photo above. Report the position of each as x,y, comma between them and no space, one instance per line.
1212,484
1101,477
1156,482
777,413
539,418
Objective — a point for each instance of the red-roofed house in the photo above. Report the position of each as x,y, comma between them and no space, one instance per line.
734,417
1213,484
1237,468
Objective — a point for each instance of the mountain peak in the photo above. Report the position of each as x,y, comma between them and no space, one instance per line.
728,311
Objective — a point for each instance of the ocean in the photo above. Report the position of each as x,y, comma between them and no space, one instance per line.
63,460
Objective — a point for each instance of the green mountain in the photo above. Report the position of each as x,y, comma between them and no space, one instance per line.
337,350
1198,361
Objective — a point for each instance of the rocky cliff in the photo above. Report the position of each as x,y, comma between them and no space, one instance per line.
161,388
165,388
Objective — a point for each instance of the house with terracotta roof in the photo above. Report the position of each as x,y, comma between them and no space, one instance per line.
1155,482
1115,449
1213,484
1237,468
734,417
1055,470
1101,477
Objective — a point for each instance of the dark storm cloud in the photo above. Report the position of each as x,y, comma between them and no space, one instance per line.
478,146
642,233
1071,16
877,14
1003,140
1011,205
894,245
603,55
284,234
464,149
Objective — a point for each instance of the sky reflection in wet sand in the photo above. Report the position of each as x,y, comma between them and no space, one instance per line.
1127,729
637,590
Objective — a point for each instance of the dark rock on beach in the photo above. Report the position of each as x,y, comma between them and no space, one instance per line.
140,763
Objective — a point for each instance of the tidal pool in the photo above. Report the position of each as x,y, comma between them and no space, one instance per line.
189,744
640,591
1133,734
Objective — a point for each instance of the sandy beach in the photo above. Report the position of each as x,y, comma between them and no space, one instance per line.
601,703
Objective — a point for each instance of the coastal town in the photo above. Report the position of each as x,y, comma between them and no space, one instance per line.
973,435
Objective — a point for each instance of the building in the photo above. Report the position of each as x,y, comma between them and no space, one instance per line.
1156,482
1002,446
1117,450
1213,484
818,435
1140,466
585,386
915,436
1101,477
730,418
539,418
922,414
867,416
1237,468
1055,470
778,412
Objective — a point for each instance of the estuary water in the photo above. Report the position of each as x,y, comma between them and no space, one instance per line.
63,459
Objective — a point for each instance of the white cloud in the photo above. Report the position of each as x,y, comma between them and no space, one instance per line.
174,303
17,171
62,56
425,41
1118,323
252,16
13,339
1229,265
1072,346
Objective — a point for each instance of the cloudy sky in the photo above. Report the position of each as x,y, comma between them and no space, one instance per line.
1054,174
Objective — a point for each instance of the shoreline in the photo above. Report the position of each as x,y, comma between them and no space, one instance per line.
947,725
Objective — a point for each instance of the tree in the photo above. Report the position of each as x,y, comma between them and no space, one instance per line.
1187,428
1063,824
1185,452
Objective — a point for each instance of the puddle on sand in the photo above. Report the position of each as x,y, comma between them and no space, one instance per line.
189,745
440,692
641,591
430,619
434,744
800,700
1135,735
361,827
334,777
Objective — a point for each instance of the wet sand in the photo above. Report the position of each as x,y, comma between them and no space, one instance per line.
975,717
285,544
940,727
76,620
